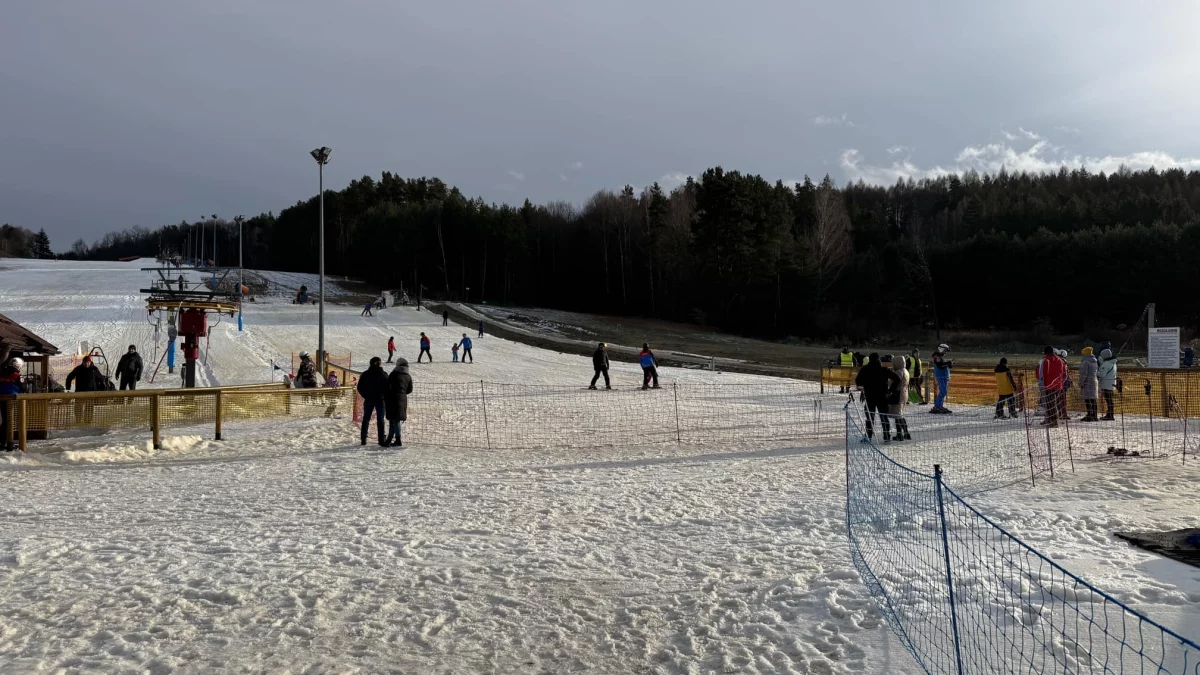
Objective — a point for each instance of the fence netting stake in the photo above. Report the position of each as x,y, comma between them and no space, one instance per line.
678,435
487,432
937,481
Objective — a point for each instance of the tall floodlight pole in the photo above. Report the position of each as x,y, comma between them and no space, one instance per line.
200,260
321,154
214,240
239,220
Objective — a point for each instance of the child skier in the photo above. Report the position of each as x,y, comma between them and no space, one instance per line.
454,353
1006,389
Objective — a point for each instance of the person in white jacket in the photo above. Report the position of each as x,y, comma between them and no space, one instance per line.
1107,376
1088,385
898,397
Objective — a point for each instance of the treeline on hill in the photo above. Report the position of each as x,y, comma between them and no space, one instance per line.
1066,251
18,242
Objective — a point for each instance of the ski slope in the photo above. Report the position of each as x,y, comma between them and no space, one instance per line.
289,548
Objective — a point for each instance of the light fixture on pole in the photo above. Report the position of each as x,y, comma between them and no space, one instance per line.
241,299
321,154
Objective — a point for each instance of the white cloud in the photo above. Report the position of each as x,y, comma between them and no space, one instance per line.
1068,130
563,177
672,180
516,174
826,121
1040,157
576,166
898,149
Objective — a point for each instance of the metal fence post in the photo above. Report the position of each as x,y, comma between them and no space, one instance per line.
937,481
154,422
678,435
217,414
487,432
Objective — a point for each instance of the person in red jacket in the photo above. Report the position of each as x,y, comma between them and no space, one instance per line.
391,347
1054,379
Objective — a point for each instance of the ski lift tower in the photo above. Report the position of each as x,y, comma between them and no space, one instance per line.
188,303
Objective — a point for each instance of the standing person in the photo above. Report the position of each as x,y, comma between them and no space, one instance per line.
367,310
916,376
845,360
332,380
1006,389
372,386
1089,385
898,397
1107,378
466,347
1054,379
425,344
399,386
86,377
649,366
875,382
941,374
306,372
454,353
445,317
129,369
10,385
391,347
600,364
480,328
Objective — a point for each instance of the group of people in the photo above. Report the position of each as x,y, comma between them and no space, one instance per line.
646,360
885,384
385,395
1097,377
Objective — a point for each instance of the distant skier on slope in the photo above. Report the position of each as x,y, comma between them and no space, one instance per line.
445,317
600,364
391,347
425,344
649,366
466,347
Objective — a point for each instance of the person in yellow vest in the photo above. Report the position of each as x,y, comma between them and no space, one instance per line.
845,360
916,374
1006,389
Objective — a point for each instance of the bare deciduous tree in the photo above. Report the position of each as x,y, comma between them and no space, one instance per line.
828,242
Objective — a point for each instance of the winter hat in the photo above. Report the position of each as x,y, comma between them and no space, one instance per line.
898,362
1003,361
1106,354
645,345
376,361
401,363
1087,351
874,358
1048,350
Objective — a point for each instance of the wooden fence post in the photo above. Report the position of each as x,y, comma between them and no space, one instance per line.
23,409
155,426
217,414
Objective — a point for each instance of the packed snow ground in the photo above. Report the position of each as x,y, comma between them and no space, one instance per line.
289,547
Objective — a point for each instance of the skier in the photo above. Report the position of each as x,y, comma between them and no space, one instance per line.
649,367
425,344
445,317
129,369
875,382
10,385
941,373
1107,376
898,397
600,363
181,282
367,310
916,375
391,347
480,328
306,373
332,380
1089,385
845,360
466,347
399,386
1006,389
454,353
302,296
372,386
1054,379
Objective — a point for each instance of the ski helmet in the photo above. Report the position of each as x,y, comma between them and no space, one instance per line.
17,362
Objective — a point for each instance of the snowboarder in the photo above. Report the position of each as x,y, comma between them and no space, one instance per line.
399,386
1054,379
941,374
1006,389
898,397
10,385
391,347
445,317
466,347
1089,385
129,369
875,382
649,366
480,328
1107,377
367,310
425,344
600,363
372,386
306,373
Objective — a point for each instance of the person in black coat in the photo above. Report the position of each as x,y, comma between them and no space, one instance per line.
372,386
445,317
129,369
600,363
400,385
875,382
86,377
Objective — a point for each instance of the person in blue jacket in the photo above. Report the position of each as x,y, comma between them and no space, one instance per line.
466,347
649,367
10,385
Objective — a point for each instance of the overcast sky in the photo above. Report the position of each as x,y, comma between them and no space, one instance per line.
115,112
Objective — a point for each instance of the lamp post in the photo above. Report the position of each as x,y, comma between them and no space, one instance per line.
214,251
239,220
200,260
321,154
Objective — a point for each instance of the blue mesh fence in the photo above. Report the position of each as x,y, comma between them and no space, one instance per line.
964,596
